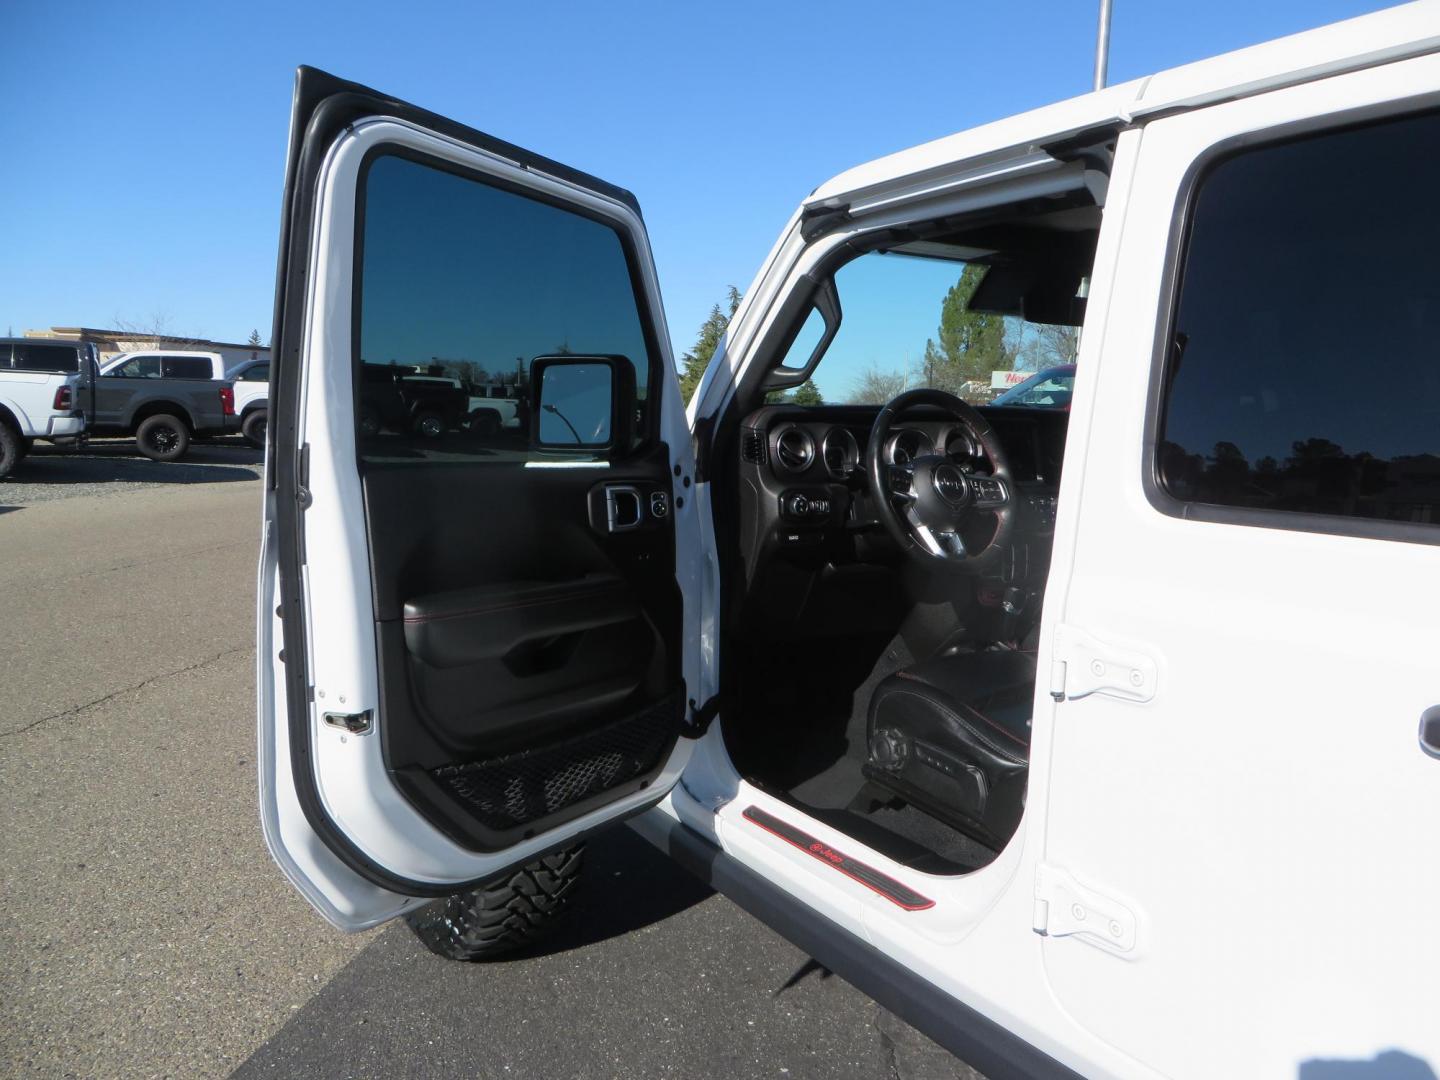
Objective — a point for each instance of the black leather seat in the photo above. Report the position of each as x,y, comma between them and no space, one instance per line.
952,736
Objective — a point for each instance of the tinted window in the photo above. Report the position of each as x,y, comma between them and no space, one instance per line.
1304,369
59,358
186,367
463,286
258,373
137,367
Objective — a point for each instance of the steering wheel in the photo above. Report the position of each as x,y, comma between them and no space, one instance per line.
925,503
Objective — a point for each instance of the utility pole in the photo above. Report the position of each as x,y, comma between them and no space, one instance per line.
1102,46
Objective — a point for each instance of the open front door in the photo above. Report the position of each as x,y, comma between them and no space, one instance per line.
471,636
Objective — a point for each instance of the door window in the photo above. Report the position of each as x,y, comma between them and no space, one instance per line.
138,367
462,286
56,358
258,373
1303,366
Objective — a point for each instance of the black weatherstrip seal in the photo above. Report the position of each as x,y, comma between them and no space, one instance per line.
968,1034
896,892
324,107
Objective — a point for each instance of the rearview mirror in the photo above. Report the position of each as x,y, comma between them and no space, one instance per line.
581,402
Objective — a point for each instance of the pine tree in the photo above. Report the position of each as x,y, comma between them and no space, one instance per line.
807,393
254,341
970,344
712,331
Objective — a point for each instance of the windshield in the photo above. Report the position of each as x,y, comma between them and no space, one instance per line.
911,321
1050,389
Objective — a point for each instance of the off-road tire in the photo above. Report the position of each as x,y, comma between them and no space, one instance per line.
12,448
508,914
253,428
162,437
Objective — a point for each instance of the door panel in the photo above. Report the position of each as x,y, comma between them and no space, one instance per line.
524,623
1257,815
480,665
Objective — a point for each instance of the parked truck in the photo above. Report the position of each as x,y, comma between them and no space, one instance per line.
251,381
164,399
45,392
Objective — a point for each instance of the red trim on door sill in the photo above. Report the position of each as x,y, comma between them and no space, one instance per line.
896,892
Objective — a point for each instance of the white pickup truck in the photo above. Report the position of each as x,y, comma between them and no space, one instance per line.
46,390
252,399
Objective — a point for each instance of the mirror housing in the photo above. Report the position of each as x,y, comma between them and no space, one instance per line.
584,403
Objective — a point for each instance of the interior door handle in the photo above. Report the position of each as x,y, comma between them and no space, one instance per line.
623,507
1430,731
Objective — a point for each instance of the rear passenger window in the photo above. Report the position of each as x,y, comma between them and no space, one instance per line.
259,373
185,367
1303,373
55,358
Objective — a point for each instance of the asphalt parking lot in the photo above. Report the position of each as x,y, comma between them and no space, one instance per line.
146,932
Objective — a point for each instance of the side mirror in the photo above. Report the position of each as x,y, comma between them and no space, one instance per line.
581,402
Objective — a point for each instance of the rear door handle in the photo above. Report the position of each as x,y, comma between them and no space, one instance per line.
1430,731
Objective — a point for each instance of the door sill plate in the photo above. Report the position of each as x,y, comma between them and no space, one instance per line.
894,891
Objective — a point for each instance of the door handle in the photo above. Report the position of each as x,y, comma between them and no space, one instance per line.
623,507
1430,731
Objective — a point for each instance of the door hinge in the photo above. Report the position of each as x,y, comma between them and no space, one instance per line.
1083,665
698,717
355,723
1064,907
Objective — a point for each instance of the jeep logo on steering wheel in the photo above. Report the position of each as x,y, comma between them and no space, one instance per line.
950,482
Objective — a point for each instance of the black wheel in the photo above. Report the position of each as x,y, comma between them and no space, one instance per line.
430,424
508,914
12,448
253,428
163,437
369,422
484,423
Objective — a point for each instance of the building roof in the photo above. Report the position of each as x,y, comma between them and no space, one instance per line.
86,333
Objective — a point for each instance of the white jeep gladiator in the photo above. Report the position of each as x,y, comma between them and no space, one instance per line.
46,392
1093,735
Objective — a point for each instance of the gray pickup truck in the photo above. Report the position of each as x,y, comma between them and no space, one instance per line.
164,399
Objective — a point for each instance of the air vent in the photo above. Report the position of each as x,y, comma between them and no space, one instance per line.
752,447
794,449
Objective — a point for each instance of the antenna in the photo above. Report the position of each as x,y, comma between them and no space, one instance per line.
1102,46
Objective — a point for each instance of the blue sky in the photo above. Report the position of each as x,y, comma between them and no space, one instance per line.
144,142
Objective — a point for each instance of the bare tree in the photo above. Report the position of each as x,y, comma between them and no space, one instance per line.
876,387
1050,346
156,328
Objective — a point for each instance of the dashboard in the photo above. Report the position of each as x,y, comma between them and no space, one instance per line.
819,453
817,560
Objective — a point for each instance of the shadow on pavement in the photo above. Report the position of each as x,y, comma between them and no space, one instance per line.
117,461
627,886
653,976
